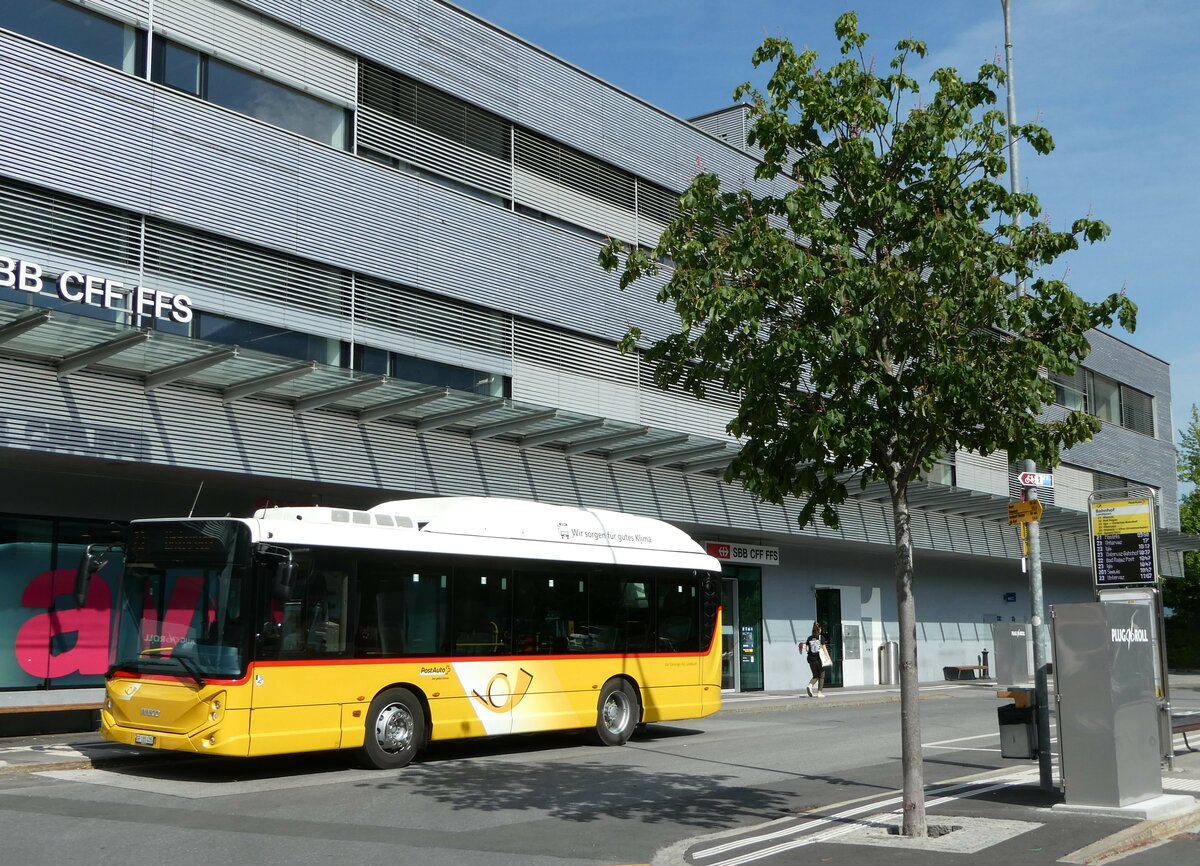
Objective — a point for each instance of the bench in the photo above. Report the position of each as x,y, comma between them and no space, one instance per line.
1184,723
963,672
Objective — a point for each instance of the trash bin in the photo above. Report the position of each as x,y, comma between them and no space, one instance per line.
1018,731
889,663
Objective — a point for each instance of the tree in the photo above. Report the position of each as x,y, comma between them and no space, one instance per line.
1189,450
862,315
1182,595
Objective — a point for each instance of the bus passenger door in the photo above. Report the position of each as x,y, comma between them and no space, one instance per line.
297,694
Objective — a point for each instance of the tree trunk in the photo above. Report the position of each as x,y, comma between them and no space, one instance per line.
910,705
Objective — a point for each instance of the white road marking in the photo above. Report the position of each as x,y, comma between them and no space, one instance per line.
824,835
960,740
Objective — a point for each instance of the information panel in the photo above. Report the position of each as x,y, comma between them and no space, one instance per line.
1123,542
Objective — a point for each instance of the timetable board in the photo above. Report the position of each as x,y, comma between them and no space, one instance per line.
1123,549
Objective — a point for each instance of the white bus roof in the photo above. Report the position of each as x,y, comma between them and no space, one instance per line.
488,526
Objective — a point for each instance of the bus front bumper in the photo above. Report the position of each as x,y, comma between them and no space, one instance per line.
230,737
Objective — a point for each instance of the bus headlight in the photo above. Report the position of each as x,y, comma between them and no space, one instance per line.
214,706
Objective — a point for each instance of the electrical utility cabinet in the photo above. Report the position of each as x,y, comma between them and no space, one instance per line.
1108,735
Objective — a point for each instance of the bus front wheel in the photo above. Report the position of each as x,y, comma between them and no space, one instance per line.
395,730
617,713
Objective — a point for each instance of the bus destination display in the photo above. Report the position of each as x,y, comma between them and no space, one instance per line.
1123,542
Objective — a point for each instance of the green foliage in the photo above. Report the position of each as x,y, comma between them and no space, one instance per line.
1189,452
1182,595
890,334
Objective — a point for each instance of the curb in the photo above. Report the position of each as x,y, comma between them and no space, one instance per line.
790,703
1139,836
19,769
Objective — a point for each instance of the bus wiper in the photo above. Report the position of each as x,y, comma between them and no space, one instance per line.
190,668
155,657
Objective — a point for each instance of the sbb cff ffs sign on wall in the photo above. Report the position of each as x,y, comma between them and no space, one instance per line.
1123,542
742,554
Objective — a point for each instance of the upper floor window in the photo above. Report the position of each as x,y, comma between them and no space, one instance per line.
248,93
74,29
1107,399
266,338
369,359
1069,390
432,110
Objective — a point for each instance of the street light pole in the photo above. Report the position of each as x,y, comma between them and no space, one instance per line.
1037,620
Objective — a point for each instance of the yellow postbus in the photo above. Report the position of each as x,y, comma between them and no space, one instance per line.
304,629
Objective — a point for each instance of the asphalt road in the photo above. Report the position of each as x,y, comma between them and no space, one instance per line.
535,799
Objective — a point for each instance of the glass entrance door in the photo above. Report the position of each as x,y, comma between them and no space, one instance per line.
829,615
731,679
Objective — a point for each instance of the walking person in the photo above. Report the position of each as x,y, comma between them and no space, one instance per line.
814,645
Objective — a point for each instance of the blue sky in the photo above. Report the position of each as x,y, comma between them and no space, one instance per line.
1116,84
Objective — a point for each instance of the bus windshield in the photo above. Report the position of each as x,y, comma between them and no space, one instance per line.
181,600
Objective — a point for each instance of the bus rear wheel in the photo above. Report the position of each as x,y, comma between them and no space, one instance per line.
395,730
617,713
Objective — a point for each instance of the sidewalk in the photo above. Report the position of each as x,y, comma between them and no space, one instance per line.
994,817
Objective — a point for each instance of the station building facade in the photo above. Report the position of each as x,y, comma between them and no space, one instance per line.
344,251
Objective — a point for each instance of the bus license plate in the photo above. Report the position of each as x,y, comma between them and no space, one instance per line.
143,739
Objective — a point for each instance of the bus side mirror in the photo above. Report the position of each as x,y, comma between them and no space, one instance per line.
83,576
285,579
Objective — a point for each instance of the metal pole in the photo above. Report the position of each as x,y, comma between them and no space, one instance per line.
1040,644
1014,182
1040,641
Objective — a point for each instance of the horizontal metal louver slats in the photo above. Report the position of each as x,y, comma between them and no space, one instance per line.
548,197
715,393
1137,411
728,125
37,146
414,323
418,147
656,203
467,250
550,378
368,224
572,168
562,283
64,223
589,357
685,414
239,270
480,62
676,408
986,474
1072,487
129,11
254,41
434,111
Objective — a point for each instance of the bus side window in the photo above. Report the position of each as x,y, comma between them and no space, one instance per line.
402,607
327,613
619,613
389,616
639,616
482,611
550,609
314,616
678,613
